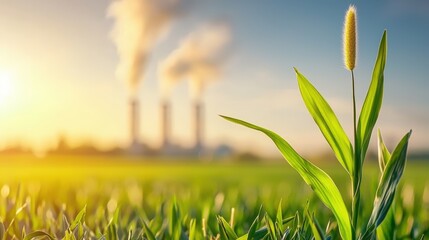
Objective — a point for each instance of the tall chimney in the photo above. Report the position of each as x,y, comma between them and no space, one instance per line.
134,122
166,123
198,124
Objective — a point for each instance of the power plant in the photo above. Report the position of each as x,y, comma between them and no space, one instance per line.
199,58
166,124
137,27
135,146
198,127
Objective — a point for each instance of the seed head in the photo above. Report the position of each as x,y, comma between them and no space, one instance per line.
349,38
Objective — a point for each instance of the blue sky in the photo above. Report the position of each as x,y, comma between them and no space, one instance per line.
63,62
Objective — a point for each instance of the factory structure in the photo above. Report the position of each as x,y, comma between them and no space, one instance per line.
167,147
198,59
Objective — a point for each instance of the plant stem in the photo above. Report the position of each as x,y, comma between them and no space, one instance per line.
354,107
357,167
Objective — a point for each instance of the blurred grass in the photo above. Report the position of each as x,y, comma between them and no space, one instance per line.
68,168
140,188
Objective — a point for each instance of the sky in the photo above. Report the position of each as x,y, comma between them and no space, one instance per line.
58,73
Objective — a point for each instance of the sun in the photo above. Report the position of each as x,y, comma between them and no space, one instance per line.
6,87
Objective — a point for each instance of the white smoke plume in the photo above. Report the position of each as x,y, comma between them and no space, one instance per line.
138,26
199,58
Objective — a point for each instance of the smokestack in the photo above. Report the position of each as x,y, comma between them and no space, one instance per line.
198,124
200,58
138,25
166,123
134,123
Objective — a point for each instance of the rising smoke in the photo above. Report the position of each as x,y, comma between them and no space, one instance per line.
199,58
138,26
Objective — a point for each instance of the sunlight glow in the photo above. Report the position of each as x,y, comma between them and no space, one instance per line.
6,87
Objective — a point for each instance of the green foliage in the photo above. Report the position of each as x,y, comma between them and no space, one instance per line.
38,234
386,230
317,231
316,178
387,185
226,231
327,121
372,104
198,197
391,166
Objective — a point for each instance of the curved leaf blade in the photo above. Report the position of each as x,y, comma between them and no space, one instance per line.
387,186
386,230
323,186
38,234
372,104
327,121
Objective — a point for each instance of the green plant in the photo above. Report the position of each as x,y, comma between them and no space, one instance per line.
350,156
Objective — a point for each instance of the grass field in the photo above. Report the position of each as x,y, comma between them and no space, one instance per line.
179,199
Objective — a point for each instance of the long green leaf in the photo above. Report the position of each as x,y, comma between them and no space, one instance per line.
371,106
328,123
386,230
316,178
387,186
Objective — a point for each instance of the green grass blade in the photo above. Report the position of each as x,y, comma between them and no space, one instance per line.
387,186
315,227
79,219
174,221
225,229
192,229
147,232
279,217
270,226
252,229
261,233
38,234
372,104
383,153
254,226
316,178
327,121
